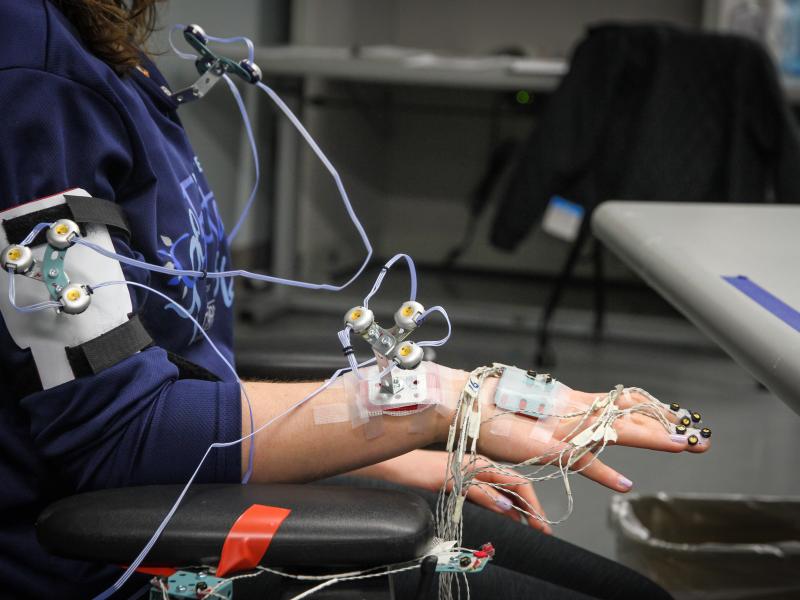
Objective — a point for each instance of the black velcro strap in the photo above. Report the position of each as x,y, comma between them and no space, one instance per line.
96,210
19,227
81,209
108,349
189,370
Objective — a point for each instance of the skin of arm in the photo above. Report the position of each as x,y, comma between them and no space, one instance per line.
295,449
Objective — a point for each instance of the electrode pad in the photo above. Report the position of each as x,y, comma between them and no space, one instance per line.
535,395
531,394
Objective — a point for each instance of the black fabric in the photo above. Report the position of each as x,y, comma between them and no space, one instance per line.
96,210
653,112
189,370
528,564
108,349
81,209
22,379
118,344
18,228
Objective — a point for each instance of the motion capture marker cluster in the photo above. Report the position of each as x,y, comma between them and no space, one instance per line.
402,385
73,298
389,344
212,67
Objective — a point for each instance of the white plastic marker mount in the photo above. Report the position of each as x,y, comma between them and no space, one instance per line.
50,331
415,390
410,387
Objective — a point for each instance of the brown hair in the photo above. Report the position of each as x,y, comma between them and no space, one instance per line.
114,30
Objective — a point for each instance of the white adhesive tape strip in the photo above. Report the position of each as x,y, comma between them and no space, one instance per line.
543,429
501,425
373,428
331,413
420,422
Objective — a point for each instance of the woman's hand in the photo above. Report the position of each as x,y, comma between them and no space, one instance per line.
635,430
427,469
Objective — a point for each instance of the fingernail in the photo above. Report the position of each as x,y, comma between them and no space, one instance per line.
679,439
624,482
503,503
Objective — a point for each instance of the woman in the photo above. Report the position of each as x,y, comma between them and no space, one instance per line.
83,107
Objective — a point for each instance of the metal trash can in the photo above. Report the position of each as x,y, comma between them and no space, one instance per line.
712,547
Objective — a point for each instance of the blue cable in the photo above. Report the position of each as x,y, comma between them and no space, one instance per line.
412,272
251,138
12,298
420,319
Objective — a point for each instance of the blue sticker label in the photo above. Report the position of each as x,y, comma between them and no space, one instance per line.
567,206
768,301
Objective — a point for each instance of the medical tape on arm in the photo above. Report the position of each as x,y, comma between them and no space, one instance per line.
359,399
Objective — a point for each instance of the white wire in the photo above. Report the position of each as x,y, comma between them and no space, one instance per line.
315,589
339,578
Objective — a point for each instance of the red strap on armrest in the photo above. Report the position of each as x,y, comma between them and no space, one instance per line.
249,538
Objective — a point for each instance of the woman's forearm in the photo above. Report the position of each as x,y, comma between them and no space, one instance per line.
295,448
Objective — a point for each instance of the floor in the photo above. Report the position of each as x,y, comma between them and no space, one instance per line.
756,436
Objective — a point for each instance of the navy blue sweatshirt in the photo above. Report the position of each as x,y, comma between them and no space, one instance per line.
68,120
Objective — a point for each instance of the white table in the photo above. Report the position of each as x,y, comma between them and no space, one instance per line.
694,255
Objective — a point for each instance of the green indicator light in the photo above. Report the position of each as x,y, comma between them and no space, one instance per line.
523,97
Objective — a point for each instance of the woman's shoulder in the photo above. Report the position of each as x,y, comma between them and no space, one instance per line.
23,34
34,35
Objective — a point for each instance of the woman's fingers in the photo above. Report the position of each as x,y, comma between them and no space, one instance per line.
529,502
651,436
592,467
634,398
523,495
507,490
640,430
488,497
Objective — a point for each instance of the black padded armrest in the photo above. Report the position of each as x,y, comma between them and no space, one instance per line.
328,526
